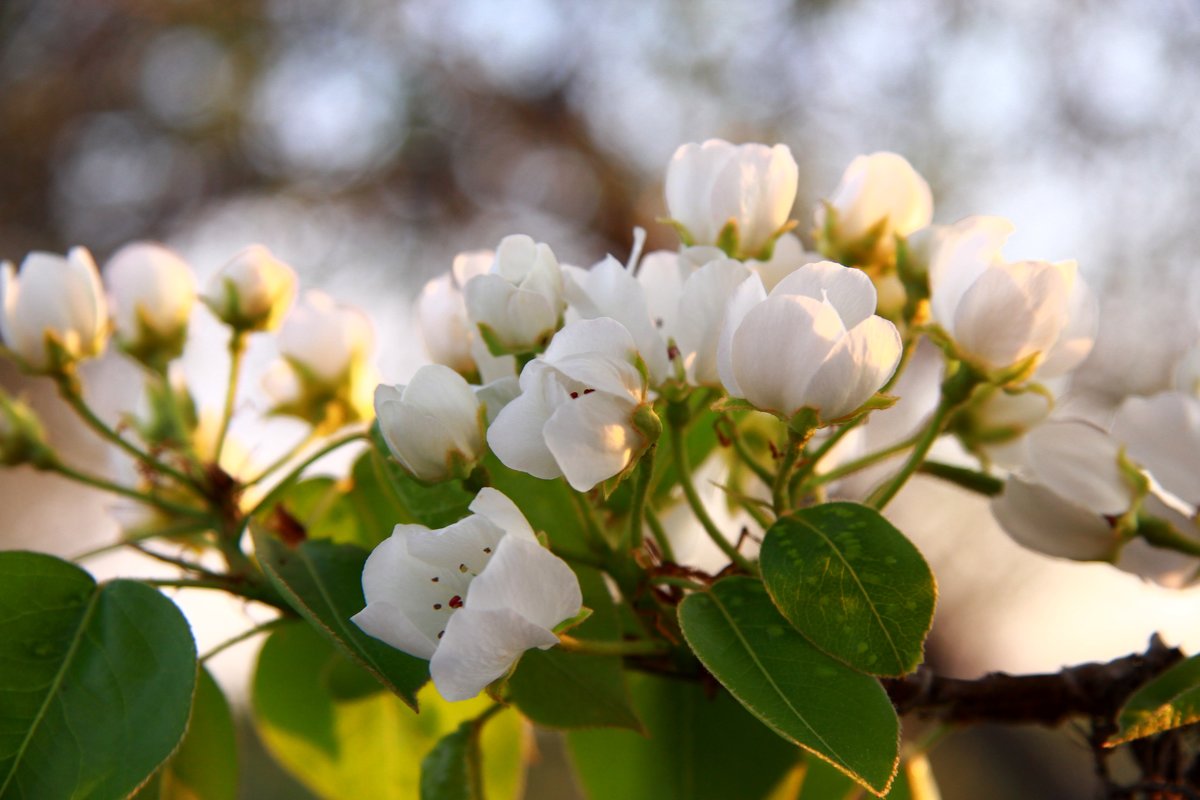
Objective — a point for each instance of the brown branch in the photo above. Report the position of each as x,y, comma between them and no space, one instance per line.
1093,690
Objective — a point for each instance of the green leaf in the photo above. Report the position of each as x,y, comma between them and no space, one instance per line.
852,584
435,505
1171,700
96,681
802,694
450,771
370,746
699,745
323,582
325,511
205,765
558,689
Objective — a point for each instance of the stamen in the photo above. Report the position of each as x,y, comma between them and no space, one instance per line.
437,606
462,567
588,391
434,579
456,602
441,634
487,549
574,395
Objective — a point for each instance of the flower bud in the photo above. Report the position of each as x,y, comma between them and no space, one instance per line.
252,292
518,304
722,194
53,311
325,348
879,197
434,425
152,292
22,440
449,336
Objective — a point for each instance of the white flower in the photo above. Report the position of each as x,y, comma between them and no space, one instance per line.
788,256
716,183
998,313
54,310
575,414
433,425
879,194
253,291
449,336
1162,434
470,597
519,302
814,343
324,339
152,291
611,290
702,304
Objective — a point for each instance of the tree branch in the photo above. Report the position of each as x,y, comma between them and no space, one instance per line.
1094,690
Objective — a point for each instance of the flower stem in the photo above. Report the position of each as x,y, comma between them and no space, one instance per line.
813,459
780,498
291,453
70,391
125,491
291,477
637,508
978,482
231,585
956,390
660,536
850,467
266,627
237,348
624,647
697,504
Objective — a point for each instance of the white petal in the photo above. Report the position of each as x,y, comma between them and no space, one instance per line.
605,337
1041,520
516,436
592,438
692,175
1078,336
502,512
881,186
608,290
1079,462
661,275
757,188
702,304
1011,312
778,348
749,294
848,290
788,256
442,319
464,547
496,394
527,578
478,647
856,368
959,255
387,623
1162,433
471,263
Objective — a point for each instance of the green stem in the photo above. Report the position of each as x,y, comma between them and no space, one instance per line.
291,453
292,476
247,634
591,526
640,487
748,458
660,536
232,586
975,481
697,504
237,348
164,532
124,491
69,390
780,497
956,390
850,467
183,564
632,647
812,460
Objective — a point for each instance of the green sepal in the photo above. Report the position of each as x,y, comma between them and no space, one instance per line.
733,404
768,249
497,347
729,238
150,347
854,253
22,438
685,236
573,622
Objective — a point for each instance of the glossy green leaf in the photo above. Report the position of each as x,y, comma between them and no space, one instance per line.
322,506
370,746
323,582
450,771
96,681
802,694
205,765
572,690
820,781
853,584
700,744
1171,700
435,505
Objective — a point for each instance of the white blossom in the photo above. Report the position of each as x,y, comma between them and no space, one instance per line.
434,425
152,291
879,193
712,184
54,310
813,343
519,302
575,414
449,336
253,291
1001,313
470,597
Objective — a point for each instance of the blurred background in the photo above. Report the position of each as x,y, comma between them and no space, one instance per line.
367,141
